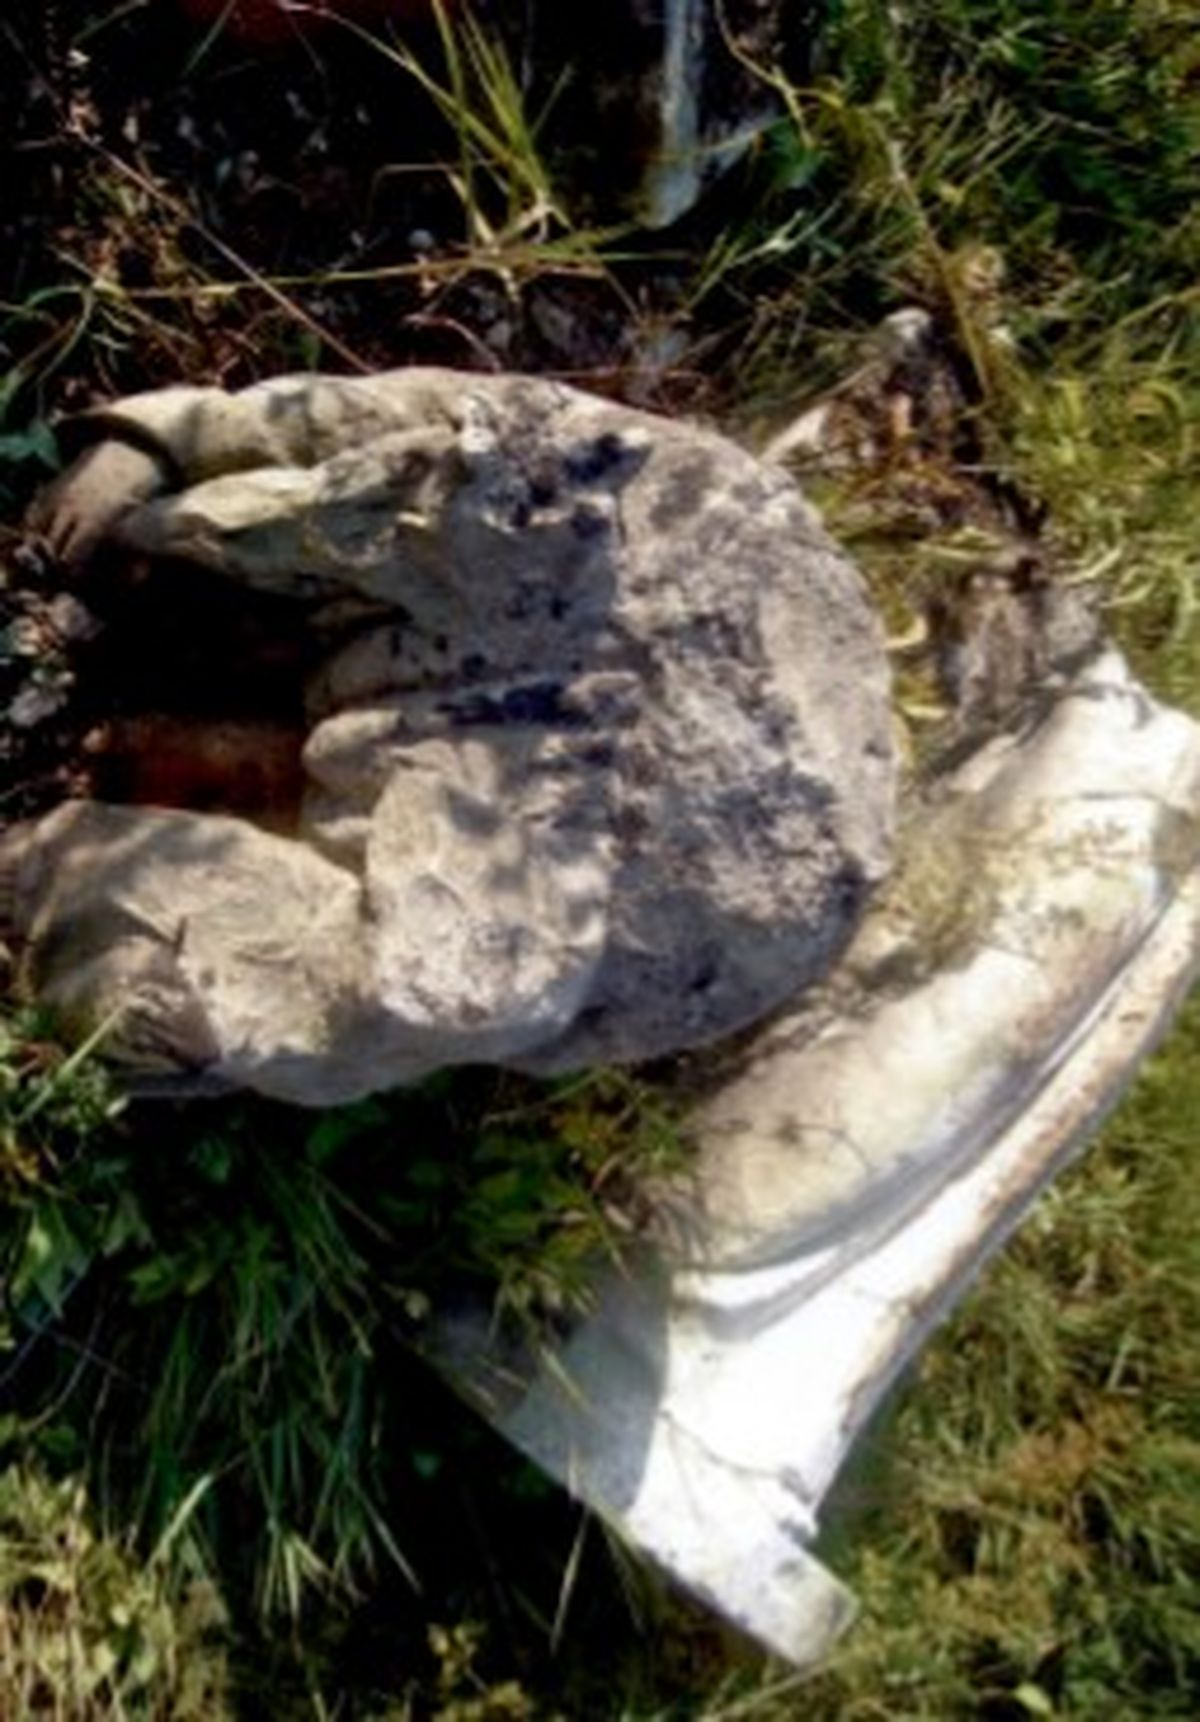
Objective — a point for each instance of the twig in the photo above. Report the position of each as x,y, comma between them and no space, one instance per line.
181,212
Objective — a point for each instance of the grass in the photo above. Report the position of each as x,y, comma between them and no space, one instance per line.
1110,439
205,1326
87,1628
225,1478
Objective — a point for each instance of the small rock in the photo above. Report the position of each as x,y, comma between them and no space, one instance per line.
25,637
72,621
36,702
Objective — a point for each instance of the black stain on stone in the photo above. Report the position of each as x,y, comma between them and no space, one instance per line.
596,459
589,523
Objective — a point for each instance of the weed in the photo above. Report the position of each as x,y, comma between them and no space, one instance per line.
87,1631
1109,438
207,1329
500,161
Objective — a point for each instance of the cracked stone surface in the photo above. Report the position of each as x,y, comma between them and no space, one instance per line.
597,754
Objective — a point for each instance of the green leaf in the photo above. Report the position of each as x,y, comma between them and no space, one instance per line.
35,442
1034,1699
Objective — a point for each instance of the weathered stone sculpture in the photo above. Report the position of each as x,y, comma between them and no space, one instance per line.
866,1153
597,765
598,759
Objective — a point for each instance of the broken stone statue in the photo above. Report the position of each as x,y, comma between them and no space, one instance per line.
598,764
860,1159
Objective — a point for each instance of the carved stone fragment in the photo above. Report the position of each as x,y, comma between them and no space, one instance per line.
597,762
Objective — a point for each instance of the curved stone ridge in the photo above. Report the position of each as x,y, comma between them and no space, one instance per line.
599,767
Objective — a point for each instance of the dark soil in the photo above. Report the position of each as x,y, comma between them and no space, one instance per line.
164,166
